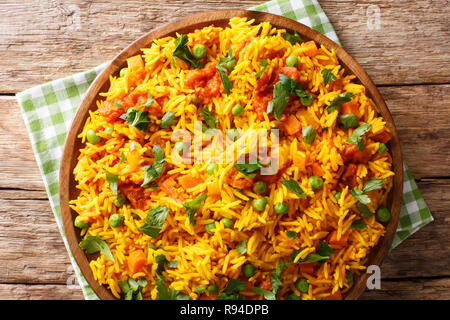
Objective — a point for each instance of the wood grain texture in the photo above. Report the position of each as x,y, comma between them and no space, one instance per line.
39,292
48,39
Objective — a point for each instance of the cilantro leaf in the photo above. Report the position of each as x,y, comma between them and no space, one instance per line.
360,196
275,277
120,201
226,82
149,100
373,184
132,289
335,104
167,120
137,118
327,75
241,247
356,137
153,173
113,181
364,211
291,234
192,206
294,187
293,38
305,98
92,244
268,295
248,169
231,291
182,52
165,293
263,64
154,221
358,224
348,120
322,254
209,118
122,158
281,92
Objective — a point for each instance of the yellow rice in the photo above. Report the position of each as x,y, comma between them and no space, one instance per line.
203,258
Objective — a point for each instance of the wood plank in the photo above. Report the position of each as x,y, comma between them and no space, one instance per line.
47,39
40,292
417,110
414,289
29,235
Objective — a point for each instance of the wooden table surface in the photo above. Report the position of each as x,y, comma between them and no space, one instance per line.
407,57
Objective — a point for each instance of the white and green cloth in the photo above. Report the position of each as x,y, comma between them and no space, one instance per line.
48,110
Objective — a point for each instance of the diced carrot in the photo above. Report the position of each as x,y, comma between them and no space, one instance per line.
309,48
189,181
266,284
349,108
306,267
291,72
349,176
135,63
335,296
317,169
136,260
351,153
300,160
171,192
383,137
213,188
332,239
292,125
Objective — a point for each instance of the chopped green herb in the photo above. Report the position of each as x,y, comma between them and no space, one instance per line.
275,277
248,169
154,221
165,293
122,158
364,211
281,92
268,295
360,196
382,148
182,52
356,137
322,254
120,201
209,118
149,101
241,247
132,289
294,187
263,64
168,120
137,118
151,173
305,98
335,104
226,82
92,244
192,206
231,291
113,181
373,184
327,76
358,224
293,38
118,105
348,120
291,234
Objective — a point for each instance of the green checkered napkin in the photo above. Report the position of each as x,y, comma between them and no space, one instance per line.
48,110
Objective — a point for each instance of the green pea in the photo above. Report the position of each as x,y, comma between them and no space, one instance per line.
237,110
109,131
349,277
293,296
210,227
160,259
227,223
80,224
212,288
302,285
92,137
123,72
212,168
281,208
179,147
200,290
382,148
259,204
248,270
115,220
199,51
260,187
383,214
292,61
315,182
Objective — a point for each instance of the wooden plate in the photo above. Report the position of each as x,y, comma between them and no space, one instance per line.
218,18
